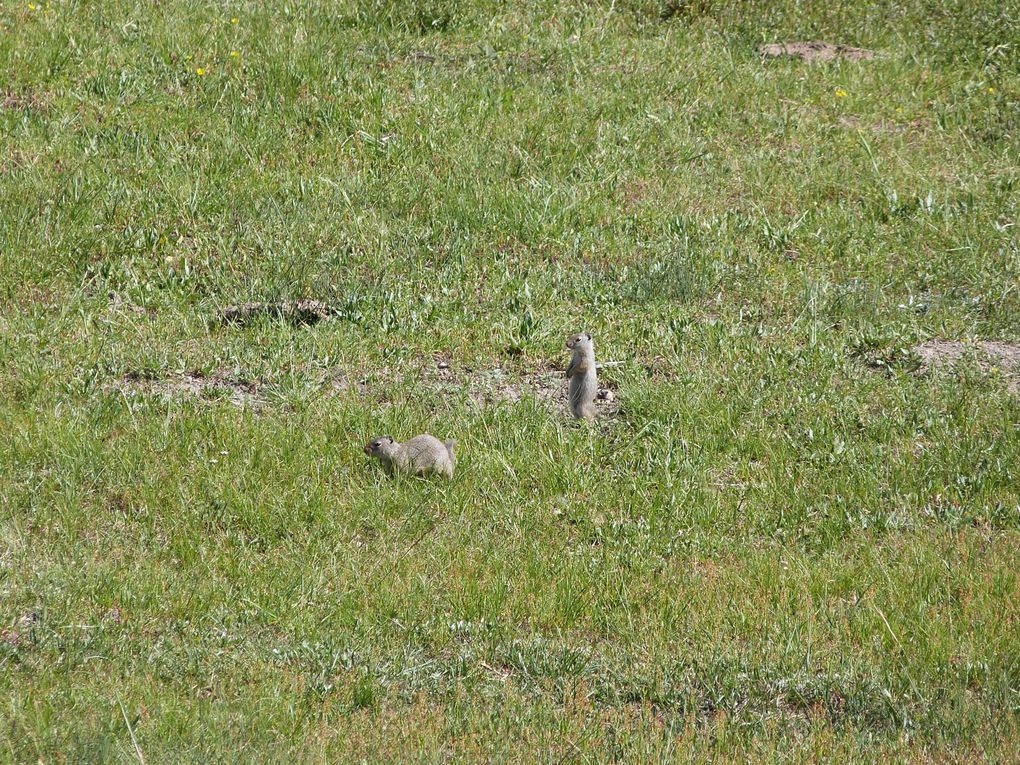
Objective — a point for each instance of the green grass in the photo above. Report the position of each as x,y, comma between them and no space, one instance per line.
788,544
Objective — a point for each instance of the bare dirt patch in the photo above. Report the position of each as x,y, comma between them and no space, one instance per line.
20,102
634,192
919,124
296,312
508,62
239,392
547,385
815,51
490,386
484,387
17,159
989,355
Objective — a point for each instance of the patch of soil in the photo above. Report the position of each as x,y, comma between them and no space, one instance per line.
32,296
547,385
422,58
19,102
633,192
484,387
296,312
990,354
191,384
499,385
885,126
16,159
815,51
525,62
120,305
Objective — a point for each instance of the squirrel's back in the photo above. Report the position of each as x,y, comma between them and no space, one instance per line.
427,454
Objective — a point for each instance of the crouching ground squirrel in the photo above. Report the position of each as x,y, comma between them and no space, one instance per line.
420,455
581,373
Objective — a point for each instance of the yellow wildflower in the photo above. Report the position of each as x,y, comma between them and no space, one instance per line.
32,6
200,71
840,93
991,90
234,54
234,20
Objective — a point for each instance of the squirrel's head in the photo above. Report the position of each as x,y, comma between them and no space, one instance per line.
379,446
580,340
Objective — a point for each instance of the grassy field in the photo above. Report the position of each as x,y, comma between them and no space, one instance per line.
785,540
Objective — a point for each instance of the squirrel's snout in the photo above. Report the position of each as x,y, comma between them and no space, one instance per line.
368,449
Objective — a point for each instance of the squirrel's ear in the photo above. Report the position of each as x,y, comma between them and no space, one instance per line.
390,439
588,334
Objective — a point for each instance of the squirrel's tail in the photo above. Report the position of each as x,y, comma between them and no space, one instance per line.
453,460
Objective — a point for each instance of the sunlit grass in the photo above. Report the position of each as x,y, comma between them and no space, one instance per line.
789,541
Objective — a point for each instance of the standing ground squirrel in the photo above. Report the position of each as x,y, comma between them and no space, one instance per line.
581,373
420,455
